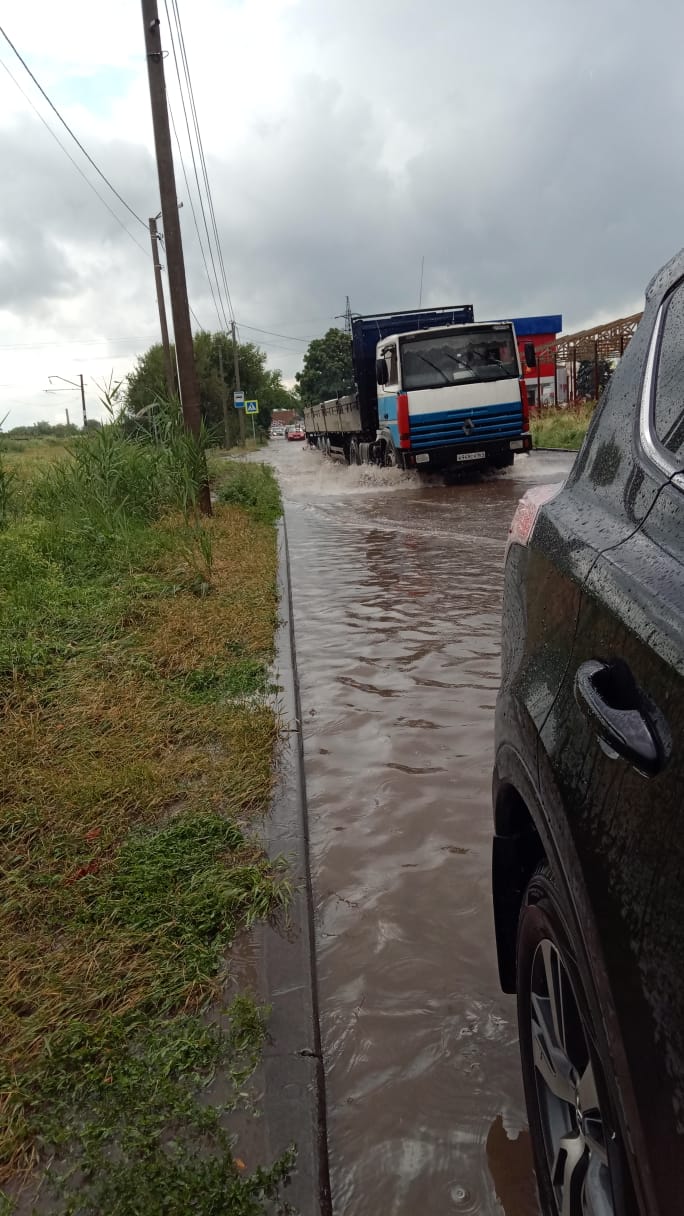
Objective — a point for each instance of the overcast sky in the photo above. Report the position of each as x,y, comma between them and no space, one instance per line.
531,152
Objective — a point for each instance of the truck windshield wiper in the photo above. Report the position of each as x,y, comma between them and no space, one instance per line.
492,361
429,362
498,363
460,361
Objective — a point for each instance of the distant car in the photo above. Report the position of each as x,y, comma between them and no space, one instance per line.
588,858
277,431
296,432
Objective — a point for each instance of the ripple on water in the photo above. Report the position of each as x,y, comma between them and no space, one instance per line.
396,587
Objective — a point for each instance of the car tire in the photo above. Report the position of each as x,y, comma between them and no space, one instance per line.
570,1091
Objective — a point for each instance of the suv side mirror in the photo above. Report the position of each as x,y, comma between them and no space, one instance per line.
381,373
530,354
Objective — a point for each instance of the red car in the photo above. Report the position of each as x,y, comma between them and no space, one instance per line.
296,432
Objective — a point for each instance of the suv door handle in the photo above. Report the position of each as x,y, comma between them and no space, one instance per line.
610,698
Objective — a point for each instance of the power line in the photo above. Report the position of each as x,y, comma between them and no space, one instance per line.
273,334
202,156
192,207
286,350
304,320
65,124
199,189
79,170
197,321
200,147
67,153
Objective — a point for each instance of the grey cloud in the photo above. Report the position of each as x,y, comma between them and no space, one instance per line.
49,218
542,173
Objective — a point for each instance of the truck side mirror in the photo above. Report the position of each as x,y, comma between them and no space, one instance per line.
530,354
381,373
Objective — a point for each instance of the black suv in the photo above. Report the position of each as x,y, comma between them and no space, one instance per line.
588,859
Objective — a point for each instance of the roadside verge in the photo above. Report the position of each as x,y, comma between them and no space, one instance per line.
292,1067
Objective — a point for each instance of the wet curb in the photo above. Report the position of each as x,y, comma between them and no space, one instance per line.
292,1066
564,451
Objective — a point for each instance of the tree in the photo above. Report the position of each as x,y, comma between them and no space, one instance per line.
42,429
146,384
327,368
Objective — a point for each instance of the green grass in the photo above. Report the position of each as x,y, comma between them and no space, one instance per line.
127,1112
21,461
31,455
135,639
252,486
562,427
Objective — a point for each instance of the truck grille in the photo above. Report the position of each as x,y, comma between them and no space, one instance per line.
465,426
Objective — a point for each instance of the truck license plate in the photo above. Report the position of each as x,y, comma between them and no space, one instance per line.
422,458
470,456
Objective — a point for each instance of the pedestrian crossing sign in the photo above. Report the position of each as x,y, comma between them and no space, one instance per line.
251,407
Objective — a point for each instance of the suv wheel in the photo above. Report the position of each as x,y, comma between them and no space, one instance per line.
579,1157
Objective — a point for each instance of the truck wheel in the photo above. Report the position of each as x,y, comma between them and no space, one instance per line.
354,454
389,457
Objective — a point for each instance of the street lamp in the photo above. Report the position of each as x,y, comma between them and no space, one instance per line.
74,385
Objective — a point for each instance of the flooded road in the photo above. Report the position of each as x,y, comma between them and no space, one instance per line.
397,587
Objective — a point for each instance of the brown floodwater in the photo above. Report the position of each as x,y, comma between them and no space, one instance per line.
397,586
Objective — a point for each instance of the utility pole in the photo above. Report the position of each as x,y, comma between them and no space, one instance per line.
75,384
175,266
224,403
83,405
347,316
161,305
67,416
236,365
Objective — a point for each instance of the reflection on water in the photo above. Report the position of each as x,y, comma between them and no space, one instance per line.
510,1166
397,587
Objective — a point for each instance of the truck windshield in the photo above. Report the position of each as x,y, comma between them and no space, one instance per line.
431,360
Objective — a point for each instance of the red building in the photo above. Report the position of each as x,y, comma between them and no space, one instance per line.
545,382
283,417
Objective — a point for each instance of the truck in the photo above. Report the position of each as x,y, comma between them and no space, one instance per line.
435,391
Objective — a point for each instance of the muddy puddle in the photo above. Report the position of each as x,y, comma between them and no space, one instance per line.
397,587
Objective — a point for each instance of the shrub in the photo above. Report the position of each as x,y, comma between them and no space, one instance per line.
254,487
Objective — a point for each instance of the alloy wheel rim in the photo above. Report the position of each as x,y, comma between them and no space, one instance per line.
573,1126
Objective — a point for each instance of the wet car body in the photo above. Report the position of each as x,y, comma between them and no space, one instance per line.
296,432
587,790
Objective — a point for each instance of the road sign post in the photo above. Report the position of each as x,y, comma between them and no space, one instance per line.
252,407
